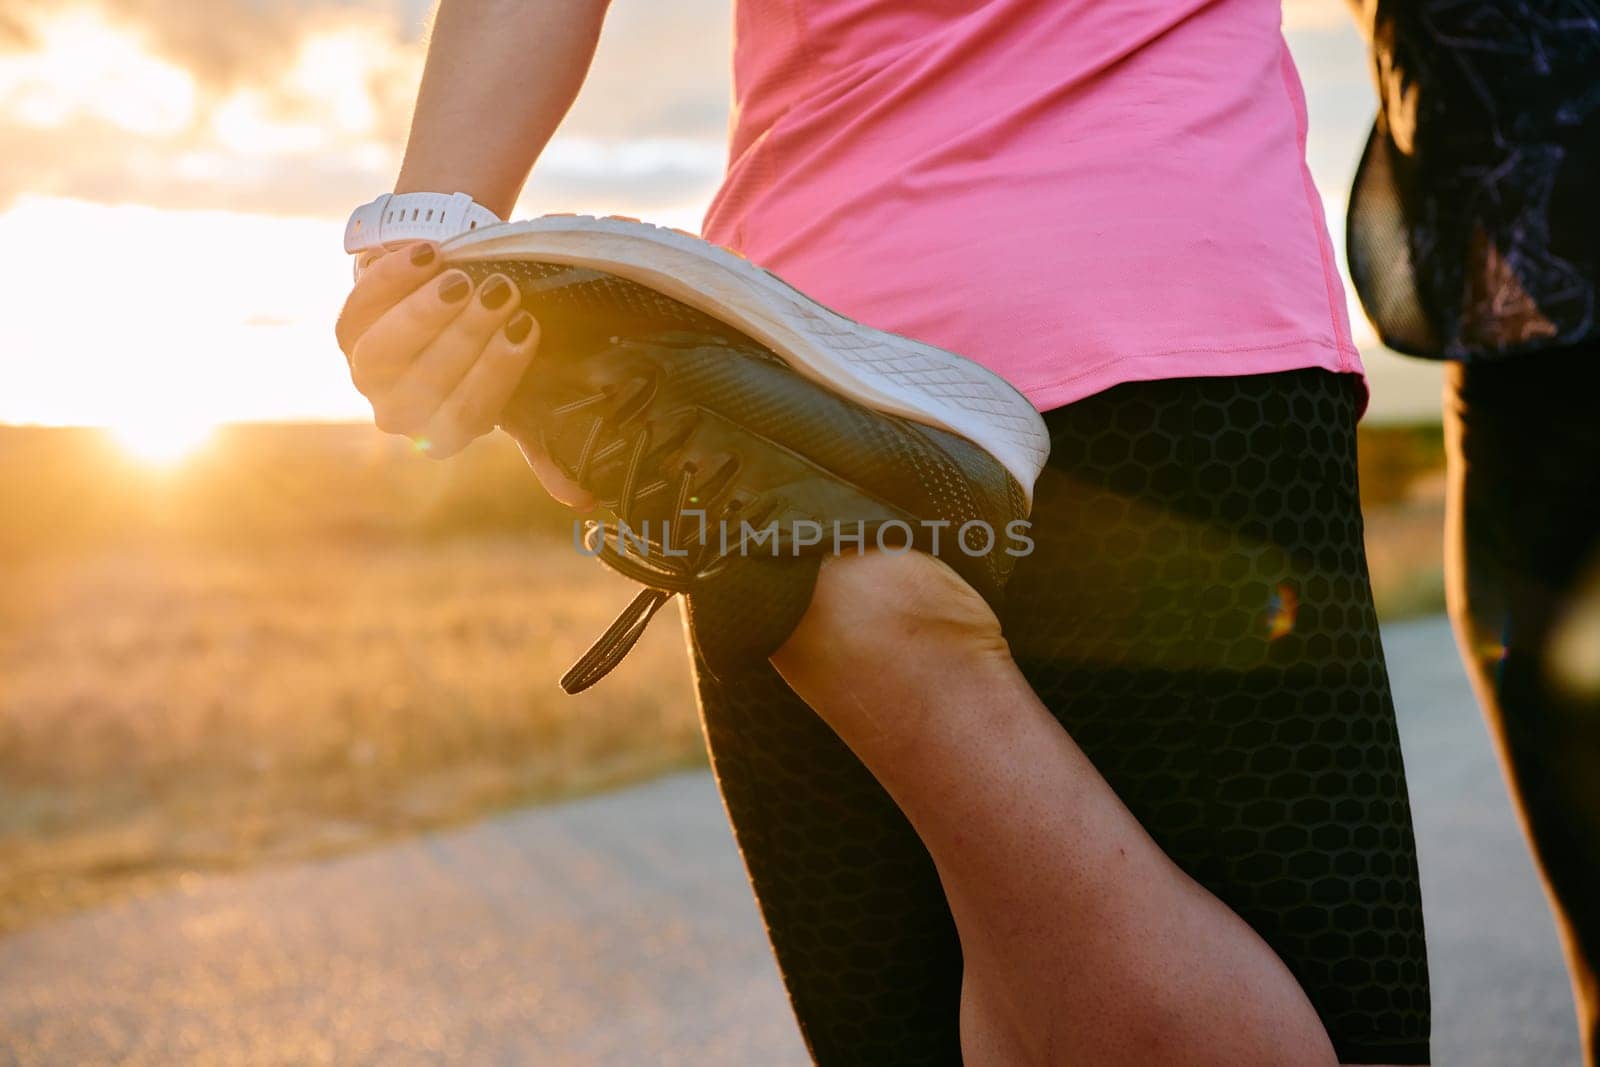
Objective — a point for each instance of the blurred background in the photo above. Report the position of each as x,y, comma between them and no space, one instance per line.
238,626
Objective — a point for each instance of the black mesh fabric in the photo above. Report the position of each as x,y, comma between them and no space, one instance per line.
1197,614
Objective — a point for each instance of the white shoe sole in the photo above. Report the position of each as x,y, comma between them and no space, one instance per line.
880,370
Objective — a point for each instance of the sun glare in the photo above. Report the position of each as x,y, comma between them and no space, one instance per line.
161,442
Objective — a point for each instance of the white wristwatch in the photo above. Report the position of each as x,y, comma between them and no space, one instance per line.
413,217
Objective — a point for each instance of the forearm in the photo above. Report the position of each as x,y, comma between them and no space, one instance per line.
499,78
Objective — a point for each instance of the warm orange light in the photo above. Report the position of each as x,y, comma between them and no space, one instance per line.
83,66
161,440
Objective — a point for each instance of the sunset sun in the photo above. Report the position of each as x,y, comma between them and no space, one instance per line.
161,440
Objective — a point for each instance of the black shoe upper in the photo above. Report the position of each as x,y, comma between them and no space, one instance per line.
659,409
728,475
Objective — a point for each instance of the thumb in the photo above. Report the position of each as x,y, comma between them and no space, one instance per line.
558,485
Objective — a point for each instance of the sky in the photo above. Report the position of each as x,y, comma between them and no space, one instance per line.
174,179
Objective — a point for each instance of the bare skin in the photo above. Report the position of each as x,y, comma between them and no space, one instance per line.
1083,942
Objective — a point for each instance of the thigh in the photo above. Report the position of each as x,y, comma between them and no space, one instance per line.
1524,500
853,907
1197,614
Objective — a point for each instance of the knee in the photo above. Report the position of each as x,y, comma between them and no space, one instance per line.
879,605
902,634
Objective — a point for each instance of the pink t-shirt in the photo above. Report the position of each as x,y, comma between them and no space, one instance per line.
1075,193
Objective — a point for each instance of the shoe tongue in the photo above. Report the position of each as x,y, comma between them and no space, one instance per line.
746,611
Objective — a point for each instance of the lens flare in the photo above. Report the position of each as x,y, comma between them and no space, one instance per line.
1573,654
1281,610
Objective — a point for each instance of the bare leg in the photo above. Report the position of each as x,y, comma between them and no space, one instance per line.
1083,942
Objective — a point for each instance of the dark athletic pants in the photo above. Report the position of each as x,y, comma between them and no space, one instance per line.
1524,544
1197,614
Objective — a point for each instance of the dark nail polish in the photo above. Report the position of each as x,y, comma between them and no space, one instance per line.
497,292
421,255
520,326
454,288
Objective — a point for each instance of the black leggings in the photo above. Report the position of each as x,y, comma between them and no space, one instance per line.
1524,533
1198,616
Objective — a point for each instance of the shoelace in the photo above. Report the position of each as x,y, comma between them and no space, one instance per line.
669,573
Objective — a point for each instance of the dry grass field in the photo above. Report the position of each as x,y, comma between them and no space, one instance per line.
305,639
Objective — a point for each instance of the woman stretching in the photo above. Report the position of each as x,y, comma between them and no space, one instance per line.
1119,785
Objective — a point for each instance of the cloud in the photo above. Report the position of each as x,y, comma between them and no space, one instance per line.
302,106
663,70
14,35
225,43
103,105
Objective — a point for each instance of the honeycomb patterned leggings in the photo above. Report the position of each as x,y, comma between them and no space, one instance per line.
1197,614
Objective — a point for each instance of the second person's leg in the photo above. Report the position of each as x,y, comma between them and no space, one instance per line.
1522,539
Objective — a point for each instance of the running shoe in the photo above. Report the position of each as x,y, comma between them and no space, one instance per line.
737,432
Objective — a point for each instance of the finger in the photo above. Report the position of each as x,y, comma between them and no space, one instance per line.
366,259
490,386
440,367
386,280
564,489
473,407
390,345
